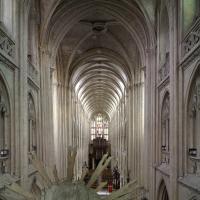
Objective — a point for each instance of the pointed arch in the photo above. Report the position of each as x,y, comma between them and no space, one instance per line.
5,128
193,118
162,192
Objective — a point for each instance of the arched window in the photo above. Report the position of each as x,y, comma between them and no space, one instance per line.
165,128
4,129
194,124
32,138
99,127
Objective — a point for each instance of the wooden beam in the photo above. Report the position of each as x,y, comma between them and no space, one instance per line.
19,190
101,166
101,186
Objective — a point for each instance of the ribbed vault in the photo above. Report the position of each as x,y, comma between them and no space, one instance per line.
102,43
99,81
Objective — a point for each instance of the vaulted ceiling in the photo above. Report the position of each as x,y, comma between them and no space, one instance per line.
102,44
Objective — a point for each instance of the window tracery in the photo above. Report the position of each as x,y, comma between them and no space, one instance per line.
99,127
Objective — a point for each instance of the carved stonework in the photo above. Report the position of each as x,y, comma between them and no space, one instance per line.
7,46
192,39
164,70
33,73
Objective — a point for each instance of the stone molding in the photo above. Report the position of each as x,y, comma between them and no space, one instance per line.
163,83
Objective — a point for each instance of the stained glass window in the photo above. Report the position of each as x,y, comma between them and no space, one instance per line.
99,127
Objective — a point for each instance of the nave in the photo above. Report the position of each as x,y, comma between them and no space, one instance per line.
95,77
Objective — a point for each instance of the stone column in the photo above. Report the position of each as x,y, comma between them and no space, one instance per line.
23,100
150,119
46,108
138,126
70,118
130,132
181,116
173,12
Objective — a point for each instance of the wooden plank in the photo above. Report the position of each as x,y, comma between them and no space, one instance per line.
101,166
19,190
41,170
101,186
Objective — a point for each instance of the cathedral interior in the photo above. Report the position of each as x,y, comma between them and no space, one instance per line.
120,77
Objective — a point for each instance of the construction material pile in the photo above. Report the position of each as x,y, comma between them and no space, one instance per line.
67,189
